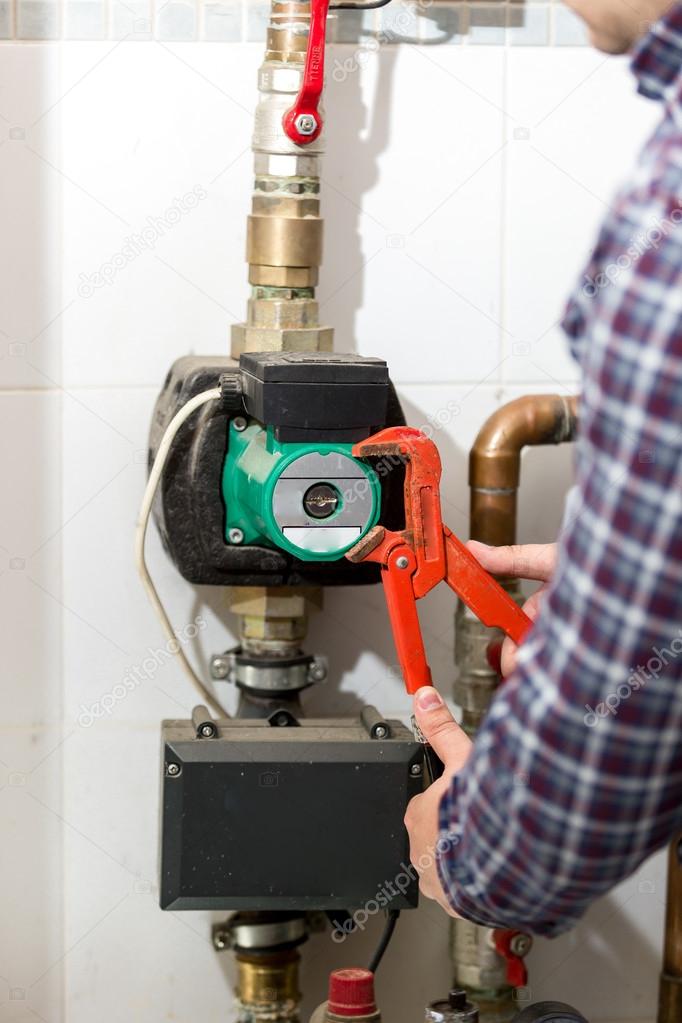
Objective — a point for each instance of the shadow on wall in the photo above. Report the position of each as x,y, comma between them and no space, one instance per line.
586,966
365,137
360,137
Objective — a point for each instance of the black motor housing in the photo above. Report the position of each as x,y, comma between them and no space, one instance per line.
311,395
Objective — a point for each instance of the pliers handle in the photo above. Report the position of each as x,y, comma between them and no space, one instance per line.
414,560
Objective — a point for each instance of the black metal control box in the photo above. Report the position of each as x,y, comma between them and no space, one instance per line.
316,396
303,817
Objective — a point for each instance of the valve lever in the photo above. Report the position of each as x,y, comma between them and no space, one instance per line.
414,560
303,121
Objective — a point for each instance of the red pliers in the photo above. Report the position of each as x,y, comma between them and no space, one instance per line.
426,553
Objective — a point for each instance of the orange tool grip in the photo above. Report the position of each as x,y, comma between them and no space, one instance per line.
404,617
480,592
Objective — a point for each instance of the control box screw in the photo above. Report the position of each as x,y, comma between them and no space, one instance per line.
416,770
239,424
236,535
221,940
317,672
220,667
173,770
305,124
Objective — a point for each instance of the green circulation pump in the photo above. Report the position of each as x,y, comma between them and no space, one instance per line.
314,500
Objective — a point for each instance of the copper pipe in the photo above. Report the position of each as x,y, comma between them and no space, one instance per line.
495,459
494,476
670,995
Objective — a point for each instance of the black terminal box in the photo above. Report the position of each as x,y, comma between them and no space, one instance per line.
303,817
316,396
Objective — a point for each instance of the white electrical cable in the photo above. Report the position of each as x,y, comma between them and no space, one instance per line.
172,430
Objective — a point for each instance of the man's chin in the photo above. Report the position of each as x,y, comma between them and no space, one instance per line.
609,44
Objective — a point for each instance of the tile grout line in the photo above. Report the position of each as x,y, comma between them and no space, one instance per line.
504,207
508,384
477,33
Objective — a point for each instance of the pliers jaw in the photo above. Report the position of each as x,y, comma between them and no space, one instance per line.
416,559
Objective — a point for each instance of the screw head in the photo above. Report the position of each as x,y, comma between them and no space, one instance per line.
236,535
306,124
208,731
402,561
239,424
317,672
173,770
416,770
380,732
221,940
520,945
220,667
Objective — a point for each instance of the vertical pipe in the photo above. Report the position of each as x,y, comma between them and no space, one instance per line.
284,230
494,477
268,986
284,251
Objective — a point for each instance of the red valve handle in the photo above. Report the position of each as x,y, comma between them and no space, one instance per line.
513,946
302,122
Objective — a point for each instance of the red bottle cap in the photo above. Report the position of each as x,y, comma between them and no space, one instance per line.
351,993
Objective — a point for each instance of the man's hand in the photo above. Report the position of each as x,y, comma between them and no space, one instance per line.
528,561
452,746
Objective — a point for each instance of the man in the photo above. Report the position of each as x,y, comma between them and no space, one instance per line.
575,777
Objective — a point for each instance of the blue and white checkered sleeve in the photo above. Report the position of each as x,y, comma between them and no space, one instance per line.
576,774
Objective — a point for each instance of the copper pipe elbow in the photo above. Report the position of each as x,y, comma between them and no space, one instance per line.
495,459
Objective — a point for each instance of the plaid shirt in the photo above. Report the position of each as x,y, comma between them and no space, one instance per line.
575,777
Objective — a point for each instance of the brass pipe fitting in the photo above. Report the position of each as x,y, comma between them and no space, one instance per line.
285,229
273,621
268,986
495,459
282,239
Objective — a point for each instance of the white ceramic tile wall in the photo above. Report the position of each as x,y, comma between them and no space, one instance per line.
461,191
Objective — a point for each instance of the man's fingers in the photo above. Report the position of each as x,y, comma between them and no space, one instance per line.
520,561
509,648
508,658
532,605
440,729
